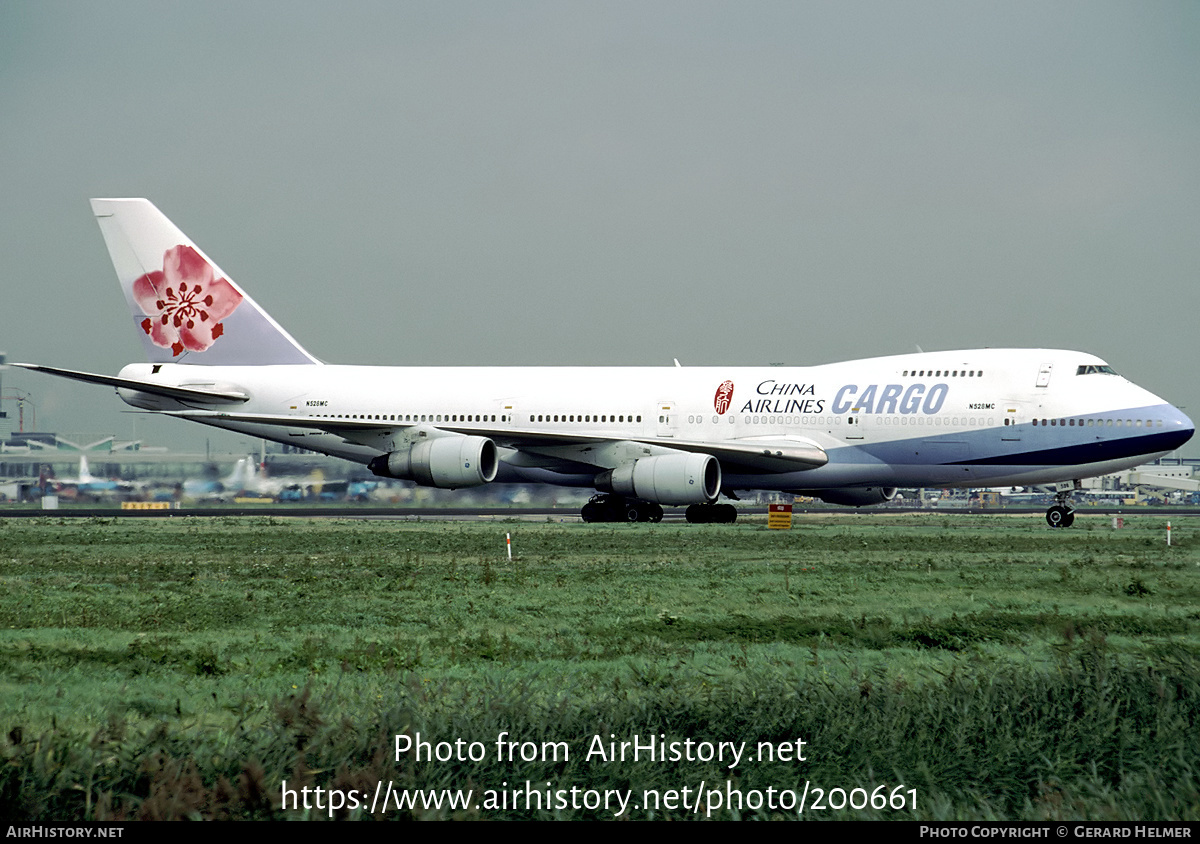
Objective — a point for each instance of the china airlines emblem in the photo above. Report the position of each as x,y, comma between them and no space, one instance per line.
723,398
184,302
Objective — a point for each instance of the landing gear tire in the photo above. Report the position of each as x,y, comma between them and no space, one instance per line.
1060,516
643,511
709,514
616,508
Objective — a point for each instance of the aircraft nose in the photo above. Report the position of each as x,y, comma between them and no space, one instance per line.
1180,428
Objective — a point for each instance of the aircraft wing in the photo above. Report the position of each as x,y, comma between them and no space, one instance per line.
752,454
783,454
206,393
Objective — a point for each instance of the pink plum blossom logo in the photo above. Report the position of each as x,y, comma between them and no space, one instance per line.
184,302
723,398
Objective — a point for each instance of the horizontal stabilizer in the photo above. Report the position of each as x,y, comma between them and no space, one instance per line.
198,393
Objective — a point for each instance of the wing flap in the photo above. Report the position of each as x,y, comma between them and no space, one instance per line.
758,455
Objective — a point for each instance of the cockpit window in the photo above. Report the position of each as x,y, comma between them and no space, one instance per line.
1092,369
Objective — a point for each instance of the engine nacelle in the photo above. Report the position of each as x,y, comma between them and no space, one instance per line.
668,479
444,462
855,496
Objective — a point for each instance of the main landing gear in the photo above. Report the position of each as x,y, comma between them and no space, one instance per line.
605,507
1061,514
711,514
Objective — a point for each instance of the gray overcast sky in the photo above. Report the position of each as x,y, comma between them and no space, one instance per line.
611,183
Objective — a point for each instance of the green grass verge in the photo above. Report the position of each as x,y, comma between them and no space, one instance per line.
991,666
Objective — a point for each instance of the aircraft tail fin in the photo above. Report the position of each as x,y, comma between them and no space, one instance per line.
185,309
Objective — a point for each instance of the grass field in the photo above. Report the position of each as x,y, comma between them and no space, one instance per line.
990,666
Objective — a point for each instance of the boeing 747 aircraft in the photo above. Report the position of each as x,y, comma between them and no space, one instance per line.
848,433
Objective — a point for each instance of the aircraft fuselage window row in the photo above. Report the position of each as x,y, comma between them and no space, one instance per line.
935,420
824,421
766,420
1100,423
770,420
416,417
1083,369
952,421
583,417
942,373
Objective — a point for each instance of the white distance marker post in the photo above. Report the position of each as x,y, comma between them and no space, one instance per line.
508,542
1168,534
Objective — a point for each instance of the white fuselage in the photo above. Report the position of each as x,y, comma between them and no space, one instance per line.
960,418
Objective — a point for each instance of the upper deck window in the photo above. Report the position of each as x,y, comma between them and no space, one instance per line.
1092,369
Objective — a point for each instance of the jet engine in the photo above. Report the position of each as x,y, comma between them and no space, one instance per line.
855,496
444,462
668,479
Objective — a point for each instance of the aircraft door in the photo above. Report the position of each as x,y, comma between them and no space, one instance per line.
666,418
1043,377
1014,414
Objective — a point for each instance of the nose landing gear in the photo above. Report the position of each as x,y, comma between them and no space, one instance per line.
1061,514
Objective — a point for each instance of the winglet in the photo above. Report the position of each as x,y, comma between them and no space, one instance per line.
185,309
